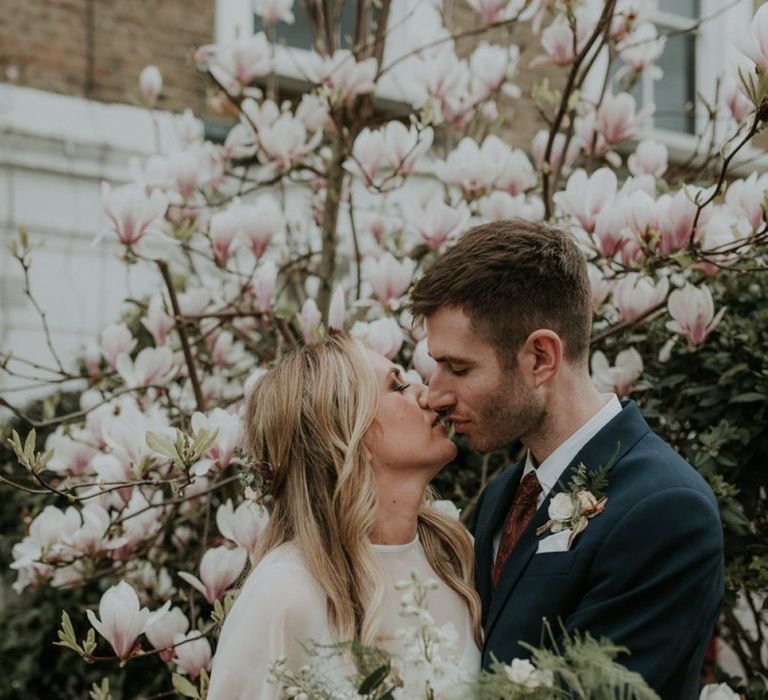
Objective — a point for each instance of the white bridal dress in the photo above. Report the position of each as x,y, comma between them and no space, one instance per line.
281,605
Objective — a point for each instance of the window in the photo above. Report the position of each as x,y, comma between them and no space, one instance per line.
699,49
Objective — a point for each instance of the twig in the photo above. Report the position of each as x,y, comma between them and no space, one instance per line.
181,330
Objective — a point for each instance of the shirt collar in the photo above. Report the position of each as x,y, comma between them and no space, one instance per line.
552,468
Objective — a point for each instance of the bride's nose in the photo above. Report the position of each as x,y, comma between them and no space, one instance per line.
421,396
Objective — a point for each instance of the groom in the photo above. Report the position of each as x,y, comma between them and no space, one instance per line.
508,314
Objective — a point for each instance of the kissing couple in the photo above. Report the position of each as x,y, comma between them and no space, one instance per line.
353,447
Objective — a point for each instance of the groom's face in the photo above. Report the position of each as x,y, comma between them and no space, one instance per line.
491,405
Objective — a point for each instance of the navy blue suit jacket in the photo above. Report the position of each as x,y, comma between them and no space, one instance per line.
647,572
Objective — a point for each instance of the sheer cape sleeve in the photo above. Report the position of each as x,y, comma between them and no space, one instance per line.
279,607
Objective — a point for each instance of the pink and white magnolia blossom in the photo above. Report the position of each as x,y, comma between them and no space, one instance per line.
263,285
472,167
422,361
369,153
273,11
342,75
620,378
229,427
260,222
492,68
162,633
693,312
192,653
754,44
642,217
502,205
635,294
223,232
152,367
157,321
286,141
336,310
142,521
250,383
585,195
441,74
150,84
516,173
242,525
650,158
72,453
616,117
599,286
116,340
436,222
122,618
224,351
558,40
219,569
110,470
716,234
611,233
312,111
405,146
641,48
131,211
194,301
190,129
676,214
495,10
557,159
237,64
91,537
745,198
629,13
383,335
310,320
738,103
389,277
124,433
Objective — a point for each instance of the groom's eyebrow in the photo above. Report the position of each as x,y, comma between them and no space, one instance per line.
450,358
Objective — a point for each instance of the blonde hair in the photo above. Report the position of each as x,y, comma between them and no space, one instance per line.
307,418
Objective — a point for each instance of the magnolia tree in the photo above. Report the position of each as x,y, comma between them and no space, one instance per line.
319,210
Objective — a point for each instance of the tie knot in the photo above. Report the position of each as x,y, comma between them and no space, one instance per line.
530,487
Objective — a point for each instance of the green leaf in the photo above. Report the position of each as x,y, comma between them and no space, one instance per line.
161,444
749,397
374,680
182,686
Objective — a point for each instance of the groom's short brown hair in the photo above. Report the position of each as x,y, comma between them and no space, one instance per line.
511,278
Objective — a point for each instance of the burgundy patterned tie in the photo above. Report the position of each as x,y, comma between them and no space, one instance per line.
520,514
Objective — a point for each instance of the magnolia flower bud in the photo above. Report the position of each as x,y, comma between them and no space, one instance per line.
219,569
161,634
150,84
192,653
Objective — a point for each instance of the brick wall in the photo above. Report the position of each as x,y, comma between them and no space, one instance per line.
519,119
97,48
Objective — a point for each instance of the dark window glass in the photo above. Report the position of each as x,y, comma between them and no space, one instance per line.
298,34
675,93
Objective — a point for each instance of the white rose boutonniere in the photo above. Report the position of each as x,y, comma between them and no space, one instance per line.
583,499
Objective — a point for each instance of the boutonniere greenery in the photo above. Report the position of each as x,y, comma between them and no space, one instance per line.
580,501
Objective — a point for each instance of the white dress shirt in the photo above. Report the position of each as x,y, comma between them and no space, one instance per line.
552,468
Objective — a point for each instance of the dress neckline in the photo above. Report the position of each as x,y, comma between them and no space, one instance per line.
393,548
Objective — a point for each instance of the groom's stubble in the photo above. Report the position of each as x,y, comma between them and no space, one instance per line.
509,415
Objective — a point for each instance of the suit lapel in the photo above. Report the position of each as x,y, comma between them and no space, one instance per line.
611,443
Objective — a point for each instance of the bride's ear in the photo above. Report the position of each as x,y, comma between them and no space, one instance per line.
541,355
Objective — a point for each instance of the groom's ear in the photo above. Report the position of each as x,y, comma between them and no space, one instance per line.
544,353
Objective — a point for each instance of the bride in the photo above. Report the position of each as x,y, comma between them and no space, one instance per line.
352,448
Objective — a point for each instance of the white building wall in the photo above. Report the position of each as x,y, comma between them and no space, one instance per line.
55,151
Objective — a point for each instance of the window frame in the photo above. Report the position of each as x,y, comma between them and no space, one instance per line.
715,55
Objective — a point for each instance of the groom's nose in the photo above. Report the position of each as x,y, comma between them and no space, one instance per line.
439,397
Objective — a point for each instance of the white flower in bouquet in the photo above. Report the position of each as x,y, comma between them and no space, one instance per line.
719,691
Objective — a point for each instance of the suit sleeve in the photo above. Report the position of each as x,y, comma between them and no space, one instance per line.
656,583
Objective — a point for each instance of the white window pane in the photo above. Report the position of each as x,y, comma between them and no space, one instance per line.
675,93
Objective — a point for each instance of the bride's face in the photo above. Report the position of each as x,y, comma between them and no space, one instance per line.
405,434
